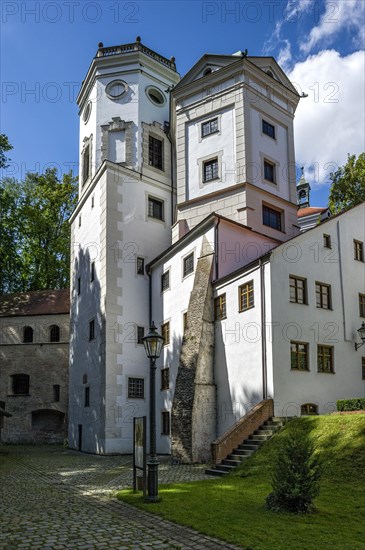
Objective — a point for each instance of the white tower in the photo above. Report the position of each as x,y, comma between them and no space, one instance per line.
122,221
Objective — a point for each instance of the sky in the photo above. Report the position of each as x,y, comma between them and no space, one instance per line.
47,47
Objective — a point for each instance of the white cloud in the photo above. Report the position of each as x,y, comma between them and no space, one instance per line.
329,123
338,16
285,57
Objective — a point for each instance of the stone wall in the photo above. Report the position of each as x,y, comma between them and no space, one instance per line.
39,416
193,410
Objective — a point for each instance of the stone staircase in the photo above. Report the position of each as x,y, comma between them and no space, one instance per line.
248,446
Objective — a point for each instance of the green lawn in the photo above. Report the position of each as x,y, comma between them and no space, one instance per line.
233,508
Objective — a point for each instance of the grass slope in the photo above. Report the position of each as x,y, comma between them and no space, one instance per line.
233,508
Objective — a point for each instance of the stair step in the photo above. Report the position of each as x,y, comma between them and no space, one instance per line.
261,431
257,437
243,452
239,458
225,467
231,462
214,472
252,446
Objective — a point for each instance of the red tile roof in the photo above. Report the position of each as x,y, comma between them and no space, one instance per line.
38,302
311,210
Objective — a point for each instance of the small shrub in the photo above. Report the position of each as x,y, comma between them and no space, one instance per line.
356,404
296,474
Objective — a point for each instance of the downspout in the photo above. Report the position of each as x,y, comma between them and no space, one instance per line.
216,250
149,273
341,280
263,329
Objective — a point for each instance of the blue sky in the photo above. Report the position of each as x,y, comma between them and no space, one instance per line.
47,46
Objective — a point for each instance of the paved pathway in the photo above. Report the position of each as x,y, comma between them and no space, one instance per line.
54,498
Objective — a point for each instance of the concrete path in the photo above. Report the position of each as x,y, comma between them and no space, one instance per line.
54,498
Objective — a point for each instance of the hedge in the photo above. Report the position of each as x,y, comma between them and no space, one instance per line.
356,404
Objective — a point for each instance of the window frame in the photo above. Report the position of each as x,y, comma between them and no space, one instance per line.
165,333
54,333
134,386
321,294
165,423
298,355
140,333
361,304
269,125
220,307
327,241
56,393
20,381
140,262
358,250
92,272
363,368
91,330
308,412
184,260
214,161
323,347
165,379
297,278
209,122
156,158
28,335
164,275
249,293
272,165
86,396
269,210
154,202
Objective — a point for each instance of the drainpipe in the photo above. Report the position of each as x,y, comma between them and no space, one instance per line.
263,329
149,273
341,280
216,250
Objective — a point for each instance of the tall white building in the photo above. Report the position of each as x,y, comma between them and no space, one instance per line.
188,216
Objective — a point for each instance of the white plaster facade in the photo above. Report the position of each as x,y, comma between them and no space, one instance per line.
235,225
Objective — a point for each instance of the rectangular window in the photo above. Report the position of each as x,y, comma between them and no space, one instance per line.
246,296
140,335
268,129
271,217
209,127
188,264
325,359
87,396
155,208
20,384
298,290
136,388
92,329
56,392
78,285
165,420
165,281
165,333
358,251
269,171
85,165
362,305
299,356
220,307
92,271
327,241
165,379
155,153
140,266
363,368
185,321
210,170
323,295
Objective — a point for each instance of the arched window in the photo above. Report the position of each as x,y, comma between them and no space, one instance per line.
20,384
54,333
308,408
27,335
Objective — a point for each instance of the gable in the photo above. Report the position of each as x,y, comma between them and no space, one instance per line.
271,67
207,64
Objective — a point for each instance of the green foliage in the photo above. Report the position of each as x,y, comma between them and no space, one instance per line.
295,478
4,147
34,231
348,185
356,404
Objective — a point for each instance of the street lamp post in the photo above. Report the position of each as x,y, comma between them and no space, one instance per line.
153,343
361,332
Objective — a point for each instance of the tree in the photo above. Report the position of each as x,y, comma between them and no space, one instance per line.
348,185
296,474
35,231
4,147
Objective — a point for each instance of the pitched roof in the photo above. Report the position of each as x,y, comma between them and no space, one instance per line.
38,302
310,210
